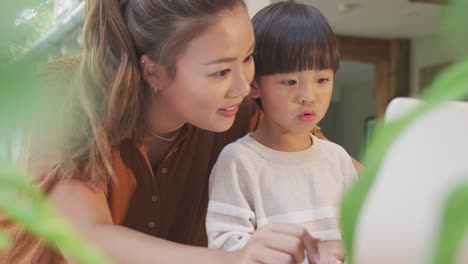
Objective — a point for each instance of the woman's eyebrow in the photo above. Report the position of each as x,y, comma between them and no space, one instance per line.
227,59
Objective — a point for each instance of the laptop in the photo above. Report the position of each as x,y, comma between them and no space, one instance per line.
401,217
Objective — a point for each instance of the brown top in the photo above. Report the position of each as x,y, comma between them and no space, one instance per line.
169,202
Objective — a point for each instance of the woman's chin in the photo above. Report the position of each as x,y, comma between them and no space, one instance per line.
220,126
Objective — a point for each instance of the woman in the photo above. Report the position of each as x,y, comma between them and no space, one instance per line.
157,79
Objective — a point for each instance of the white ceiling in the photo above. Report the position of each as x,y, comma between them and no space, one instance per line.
375,18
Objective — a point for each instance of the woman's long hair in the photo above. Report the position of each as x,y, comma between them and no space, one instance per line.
105,101
109,89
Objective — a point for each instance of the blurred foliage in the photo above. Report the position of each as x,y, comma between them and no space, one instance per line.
23,106
23,203
452,84
453,228
24,23
19,92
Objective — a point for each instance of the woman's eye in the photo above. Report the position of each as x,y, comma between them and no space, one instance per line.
289,82
323,80
249,58
221,74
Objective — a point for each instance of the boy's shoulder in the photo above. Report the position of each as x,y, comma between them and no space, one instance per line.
329,145
238,158
332,149
338,158
239,149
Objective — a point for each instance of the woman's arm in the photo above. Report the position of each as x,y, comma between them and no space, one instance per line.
87,209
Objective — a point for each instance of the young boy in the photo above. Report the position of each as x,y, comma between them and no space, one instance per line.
281,173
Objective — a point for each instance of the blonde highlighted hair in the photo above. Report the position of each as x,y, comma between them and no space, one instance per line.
110,89
106,99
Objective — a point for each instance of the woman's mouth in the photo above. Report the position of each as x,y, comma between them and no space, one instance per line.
228,111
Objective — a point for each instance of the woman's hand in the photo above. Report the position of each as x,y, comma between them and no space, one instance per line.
279,244
331,252
330,260
317,131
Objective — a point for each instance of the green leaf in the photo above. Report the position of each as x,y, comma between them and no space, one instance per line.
4,240
24,204
24,104
453,227
450,85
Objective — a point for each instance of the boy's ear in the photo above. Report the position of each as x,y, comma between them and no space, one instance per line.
255,91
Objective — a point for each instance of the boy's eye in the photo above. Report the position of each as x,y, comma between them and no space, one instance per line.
323,80
289,82
221,74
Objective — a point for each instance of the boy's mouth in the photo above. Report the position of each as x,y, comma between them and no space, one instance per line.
307,116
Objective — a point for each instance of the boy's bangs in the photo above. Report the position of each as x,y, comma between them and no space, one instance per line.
292,37
293,53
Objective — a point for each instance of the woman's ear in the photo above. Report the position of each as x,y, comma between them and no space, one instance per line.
255,90
148,72
154,74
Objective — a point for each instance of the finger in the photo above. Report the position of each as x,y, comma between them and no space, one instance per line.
287,229
272,256
332,248
310,243
311,247
331,260
288,244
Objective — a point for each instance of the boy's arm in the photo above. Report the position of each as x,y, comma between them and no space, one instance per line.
230,221
226,231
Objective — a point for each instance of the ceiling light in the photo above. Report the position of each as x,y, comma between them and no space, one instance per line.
347,7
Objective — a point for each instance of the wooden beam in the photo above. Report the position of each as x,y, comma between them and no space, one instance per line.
434,2
394,73
364,50
390,68
381,87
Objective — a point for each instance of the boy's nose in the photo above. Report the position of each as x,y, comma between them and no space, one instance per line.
307,97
